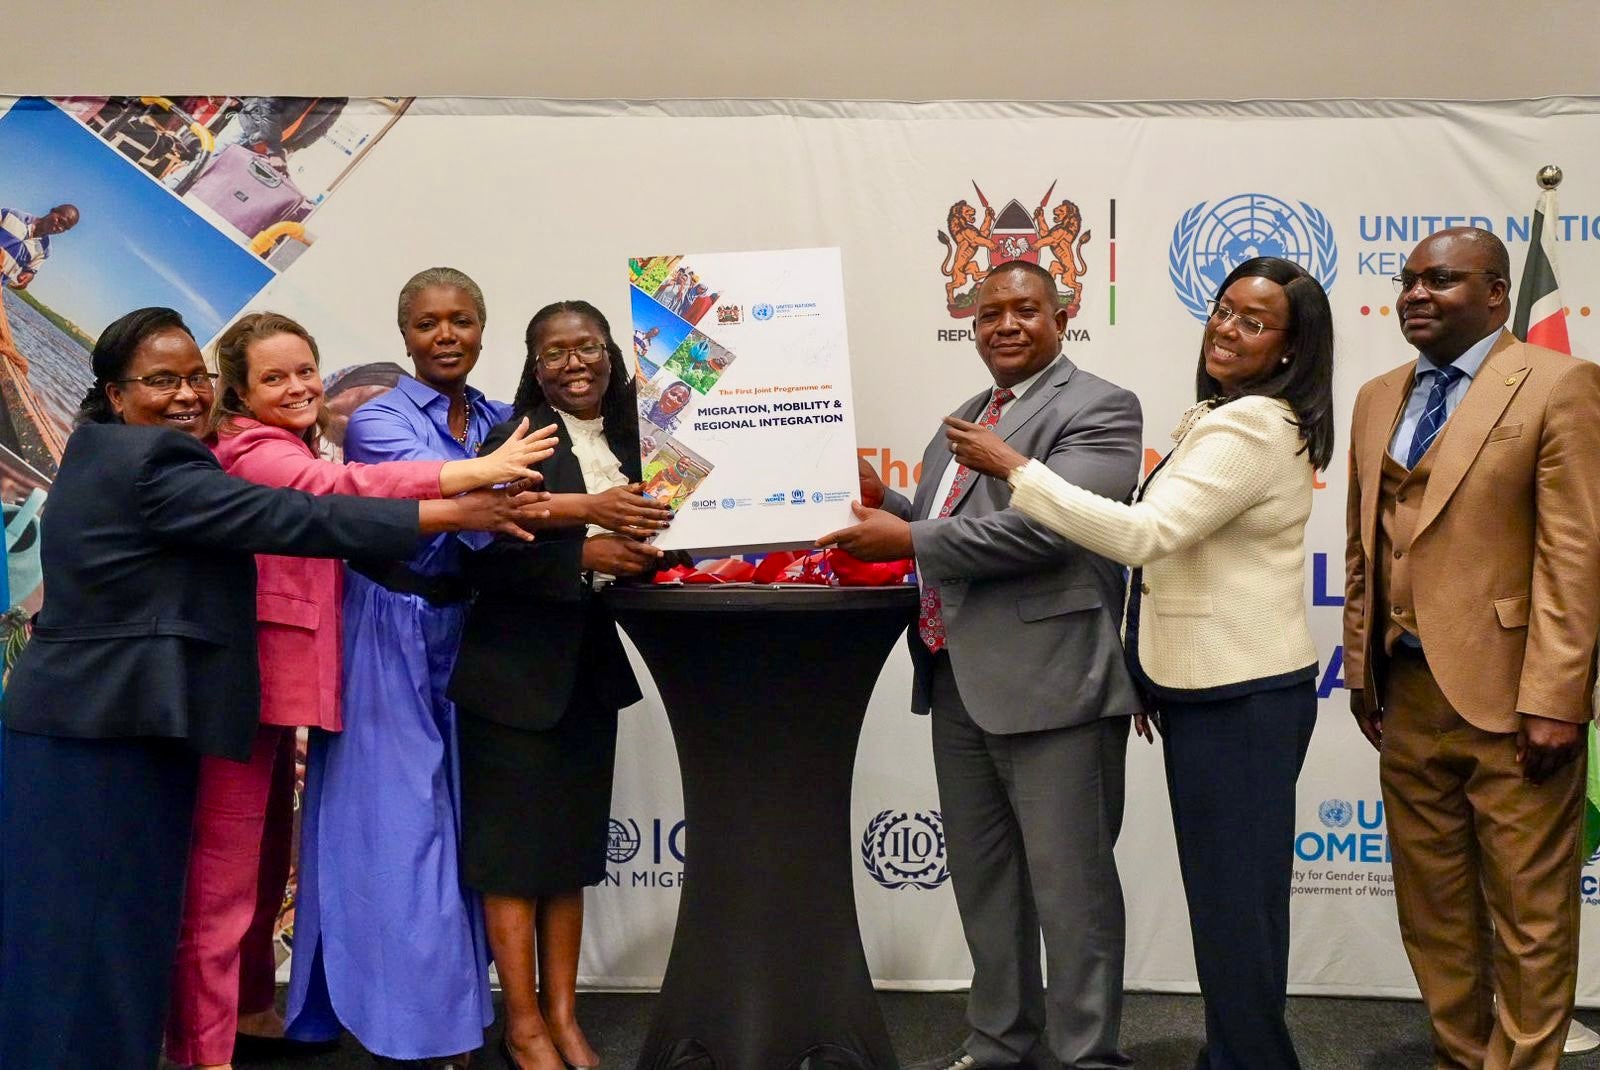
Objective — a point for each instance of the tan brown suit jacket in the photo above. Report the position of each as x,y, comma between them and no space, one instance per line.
1506,555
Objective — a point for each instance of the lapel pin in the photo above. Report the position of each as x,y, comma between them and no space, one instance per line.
1511,380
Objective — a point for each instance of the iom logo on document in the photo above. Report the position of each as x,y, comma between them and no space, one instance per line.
905,849
1211,239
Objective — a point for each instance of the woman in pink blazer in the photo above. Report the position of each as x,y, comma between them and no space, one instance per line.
267,421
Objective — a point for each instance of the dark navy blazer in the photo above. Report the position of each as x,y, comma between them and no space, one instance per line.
148,626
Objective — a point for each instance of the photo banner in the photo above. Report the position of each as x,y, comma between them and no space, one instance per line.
1137,209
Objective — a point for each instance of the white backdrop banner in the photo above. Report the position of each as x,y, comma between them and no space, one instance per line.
1140,209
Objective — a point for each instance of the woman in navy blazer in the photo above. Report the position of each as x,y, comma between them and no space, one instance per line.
143,658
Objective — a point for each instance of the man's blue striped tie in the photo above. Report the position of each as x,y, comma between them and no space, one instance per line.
1433,414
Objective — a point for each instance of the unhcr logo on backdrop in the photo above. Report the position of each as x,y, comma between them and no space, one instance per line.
1213,239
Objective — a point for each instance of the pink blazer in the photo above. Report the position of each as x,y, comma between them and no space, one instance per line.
297,598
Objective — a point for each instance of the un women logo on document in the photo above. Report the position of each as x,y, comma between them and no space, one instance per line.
905,849
1211,240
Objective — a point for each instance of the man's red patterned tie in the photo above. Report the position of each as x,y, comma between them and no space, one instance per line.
930,621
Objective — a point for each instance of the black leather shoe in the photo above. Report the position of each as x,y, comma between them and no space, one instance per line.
248,1047
956,1060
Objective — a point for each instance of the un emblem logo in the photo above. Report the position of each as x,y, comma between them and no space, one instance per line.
622,841
762,312
1211,240
902,849
1335,813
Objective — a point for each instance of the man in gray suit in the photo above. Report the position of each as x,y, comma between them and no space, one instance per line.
1017,655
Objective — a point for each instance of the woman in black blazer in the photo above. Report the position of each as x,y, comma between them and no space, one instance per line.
540,677
142,659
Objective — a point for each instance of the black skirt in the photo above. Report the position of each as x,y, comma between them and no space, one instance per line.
536,805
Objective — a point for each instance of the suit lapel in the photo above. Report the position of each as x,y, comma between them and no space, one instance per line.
936,458
1464,433
562,472
1021,411
1030,405
1388,400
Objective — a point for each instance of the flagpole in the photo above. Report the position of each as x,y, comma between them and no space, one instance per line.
1541,319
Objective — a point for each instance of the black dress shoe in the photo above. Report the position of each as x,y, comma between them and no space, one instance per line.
956,1060
250,1047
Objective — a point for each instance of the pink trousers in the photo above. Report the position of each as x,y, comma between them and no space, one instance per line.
238,865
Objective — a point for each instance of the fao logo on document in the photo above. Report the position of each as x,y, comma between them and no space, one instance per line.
905,849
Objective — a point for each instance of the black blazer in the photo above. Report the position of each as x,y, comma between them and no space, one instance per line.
149,620
534,629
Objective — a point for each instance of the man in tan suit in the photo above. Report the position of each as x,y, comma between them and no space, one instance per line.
1472,594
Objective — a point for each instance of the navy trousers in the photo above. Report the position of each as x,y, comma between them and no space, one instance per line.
94,848
1231,770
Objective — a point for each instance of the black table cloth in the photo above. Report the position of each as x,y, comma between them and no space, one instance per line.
766,689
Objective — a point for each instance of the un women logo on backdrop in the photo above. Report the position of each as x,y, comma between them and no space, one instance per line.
1211,240
1335,813
906,849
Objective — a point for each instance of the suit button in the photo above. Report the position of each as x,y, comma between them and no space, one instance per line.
1397,611
1398,554
1144,588
1399,497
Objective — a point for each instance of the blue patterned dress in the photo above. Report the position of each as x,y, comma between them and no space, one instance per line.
388,943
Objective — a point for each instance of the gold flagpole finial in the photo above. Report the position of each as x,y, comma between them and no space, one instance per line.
1549,176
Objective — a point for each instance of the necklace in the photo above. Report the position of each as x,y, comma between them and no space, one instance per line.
466,429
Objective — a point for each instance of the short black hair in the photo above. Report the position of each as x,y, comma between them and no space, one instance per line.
1027,267
113,352
1306,382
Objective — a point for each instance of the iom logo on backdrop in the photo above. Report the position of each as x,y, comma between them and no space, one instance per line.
1213,239
906,849
622,841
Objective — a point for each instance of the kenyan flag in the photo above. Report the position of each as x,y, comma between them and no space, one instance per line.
1541,319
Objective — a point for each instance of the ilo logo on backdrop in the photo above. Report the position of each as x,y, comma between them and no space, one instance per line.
905,849
1211,239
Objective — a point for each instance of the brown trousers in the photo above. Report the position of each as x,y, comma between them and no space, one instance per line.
1486,869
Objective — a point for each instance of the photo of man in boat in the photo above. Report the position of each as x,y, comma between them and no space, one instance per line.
114,240
25,241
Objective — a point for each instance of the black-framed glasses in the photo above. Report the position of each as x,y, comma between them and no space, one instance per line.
1248,325
167,383
1435,280
557,356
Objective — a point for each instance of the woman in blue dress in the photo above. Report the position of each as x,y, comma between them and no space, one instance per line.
388,943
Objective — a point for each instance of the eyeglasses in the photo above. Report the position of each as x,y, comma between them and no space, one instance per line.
1435,280
557,356
167,383
1248,325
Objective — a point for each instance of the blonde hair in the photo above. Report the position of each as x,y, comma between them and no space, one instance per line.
428,278
233,371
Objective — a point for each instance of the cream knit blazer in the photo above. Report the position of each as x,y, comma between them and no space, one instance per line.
1220,532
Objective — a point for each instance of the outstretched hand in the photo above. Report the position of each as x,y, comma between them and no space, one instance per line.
628,511
879,536
618,555
980,449
514,458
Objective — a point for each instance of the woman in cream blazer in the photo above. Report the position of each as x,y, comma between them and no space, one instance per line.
1216,626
